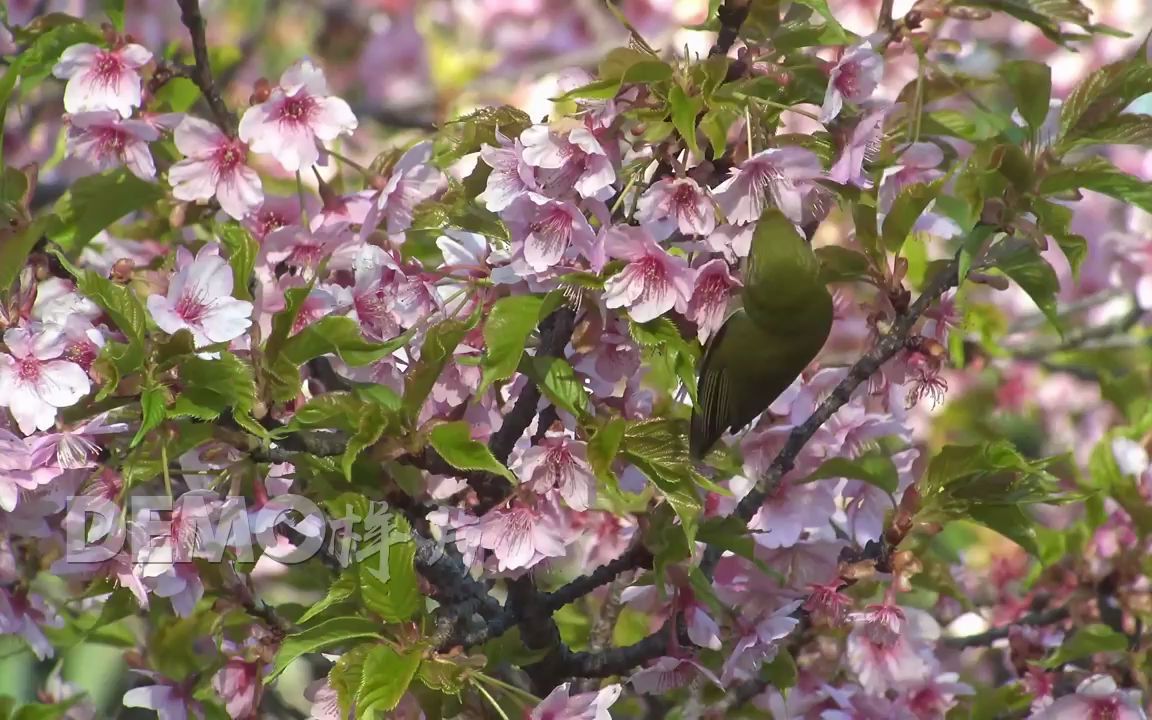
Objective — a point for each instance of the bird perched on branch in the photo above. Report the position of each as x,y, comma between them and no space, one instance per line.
765,345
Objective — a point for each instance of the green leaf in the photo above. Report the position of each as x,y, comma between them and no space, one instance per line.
642,72
836,34
339,336
1127,129
36,61
385,678
222,384
906,209
840,264
510,321
114,9
874,469
94,203
603,448
453,440
371,424
153,406
559,383
335,410
1011,522
242,252
339,591
715,125
318,637
394,596
1101,96
864,217
345,676
781,673
1085,642
1031,84
1035,276
659,449
283,321
684,109
1101,176
439,345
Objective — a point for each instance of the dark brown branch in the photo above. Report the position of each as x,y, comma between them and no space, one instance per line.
731,14
192,18
1036,619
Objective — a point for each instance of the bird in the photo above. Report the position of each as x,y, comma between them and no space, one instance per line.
763,346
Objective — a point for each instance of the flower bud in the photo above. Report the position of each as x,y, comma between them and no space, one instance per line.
122,270
998,282
261,91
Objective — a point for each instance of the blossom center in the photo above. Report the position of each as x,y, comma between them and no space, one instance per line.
297,109
1105,710
29,369
848,79
228,157
191,309
108,68
81,353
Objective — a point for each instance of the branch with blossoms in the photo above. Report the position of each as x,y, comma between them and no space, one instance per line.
678,390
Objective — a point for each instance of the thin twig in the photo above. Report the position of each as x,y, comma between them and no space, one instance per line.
192,18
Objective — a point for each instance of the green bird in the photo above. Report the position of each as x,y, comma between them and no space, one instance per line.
765,345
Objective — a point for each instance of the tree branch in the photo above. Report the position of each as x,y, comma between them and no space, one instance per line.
731,15
1036,619
202,74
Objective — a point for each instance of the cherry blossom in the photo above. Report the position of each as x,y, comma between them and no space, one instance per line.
18,472
35,380
412,181
511,176
103,140
883,650
199,299
670,673
917,164
23,613
547,228
561,705
1097,698
571,158
708,306
170,700
214,166
759,644
676,204
562,463
520,536
100,79
297,116
652,283
854,79
239,685
783,175
858,147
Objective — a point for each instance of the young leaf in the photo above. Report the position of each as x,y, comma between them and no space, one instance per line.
439,345
153,406
906,210
1101,176
1031,84
684,109
93,203
388,580
385,678
510,322
559,383
874,469
242,252
1036,277
339,336
454,442
339,591
1086,641
316,638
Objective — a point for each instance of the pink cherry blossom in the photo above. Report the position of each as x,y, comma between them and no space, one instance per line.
510,178
23,613
782,174
74,448
854,79
296,117
860,145
199,299
103,141
170,700
520,536
934,697
214,166
652,283
917,164
883,651
547,228
560,705
239,685
562,463
668,674
759,644
1097,698
676,203
100,79
18,472
569,160
305,248
35,381
413,180
708,306
325,702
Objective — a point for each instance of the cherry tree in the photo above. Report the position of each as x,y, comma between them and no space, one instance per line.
338,394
